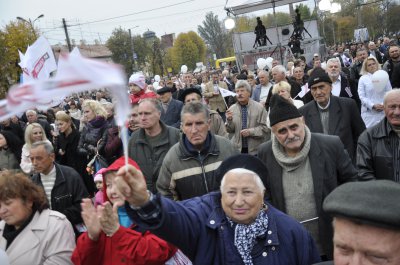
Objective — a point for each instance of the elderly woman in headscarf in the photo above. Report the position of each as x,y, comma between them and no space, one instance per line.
30,232
233,226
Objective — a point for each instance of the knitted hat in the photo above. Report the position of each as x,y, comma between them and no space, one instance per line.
138,79
318,75
281,110
99,175
374,203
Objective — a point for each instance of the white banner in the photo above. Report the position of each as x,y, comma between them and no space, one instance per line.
75,74
226,93
38,61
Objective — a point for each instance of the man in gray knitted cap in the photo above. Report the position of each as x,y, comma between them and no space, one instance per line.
366,223
303,168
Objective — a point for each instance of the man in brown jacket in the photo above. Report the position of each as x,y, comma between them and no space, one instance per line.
214,97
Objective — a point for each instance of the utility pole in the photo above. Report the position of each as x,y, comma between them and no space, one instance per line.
66,35
359,18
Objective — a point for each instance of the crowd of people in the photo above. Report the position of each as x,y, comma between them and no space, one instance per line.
255,178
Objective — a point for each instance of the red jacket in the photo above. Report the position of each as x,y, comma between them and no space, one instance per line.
135,98
125,247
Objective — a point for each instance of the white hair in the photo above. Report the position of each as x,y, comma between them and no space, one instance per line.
243,171
390,93
279,68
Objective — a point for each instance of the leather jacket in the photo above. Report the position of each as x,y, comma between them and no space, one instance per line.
374,154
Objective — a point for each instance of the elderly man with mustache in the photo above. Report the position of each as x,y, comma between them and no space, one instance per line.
303,168
246,120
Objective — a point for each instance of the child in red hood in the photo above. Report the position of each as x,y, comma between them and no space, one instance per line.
112,238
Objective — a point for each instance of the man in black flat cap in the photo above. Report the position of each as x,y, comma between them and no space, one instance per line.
332,115
303,167
171,108
366,223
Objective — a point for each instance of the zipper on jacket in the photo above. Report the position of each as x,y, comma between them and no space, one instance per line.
62,197
202,169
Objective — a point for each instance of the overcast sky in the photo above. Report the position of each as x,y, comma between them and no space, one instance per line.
162,17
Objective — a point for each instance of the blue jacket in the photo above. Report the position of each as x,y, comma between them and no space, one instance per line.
172,117
199,228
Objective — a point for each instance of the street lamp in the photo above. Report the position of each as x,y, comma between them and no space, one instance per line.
31,23
229,21
132,47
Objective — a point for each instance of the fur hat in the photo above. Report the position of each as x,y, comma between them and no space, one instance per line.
282,110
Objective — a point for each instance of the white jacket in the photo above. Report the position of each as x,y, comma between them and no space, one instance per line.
47,239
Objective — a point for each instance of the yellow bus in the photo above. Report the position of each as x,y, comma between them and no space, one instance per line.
225,61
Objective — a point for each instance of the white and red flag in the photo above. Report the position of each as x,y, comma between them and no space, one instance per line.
38,61
75,74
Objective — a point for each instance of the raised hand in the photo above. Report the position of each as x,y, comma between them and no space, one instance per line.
91,219
131,184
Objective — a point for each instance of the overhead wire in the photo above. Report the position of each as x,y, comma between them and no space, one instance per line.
136,13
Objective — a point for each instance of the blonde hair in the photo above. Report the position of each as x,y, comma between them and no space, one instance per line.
96,107
28,133
278,86
63,116
364,65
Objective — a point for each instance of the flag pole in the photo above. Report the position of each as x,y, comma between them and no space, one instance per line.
226,105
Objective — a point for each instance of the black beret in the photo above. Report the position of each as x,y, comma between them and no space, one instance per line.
188,91
163,90
245,161
281,110
318,75
373,202
241,76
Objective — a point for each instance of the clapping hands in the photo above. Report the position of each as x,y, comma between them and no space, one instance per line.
103,218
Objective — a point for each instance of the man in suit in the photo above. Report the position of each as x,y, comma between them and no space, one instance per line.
373,51
212,94
332,115
340,84
171,108
303,168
